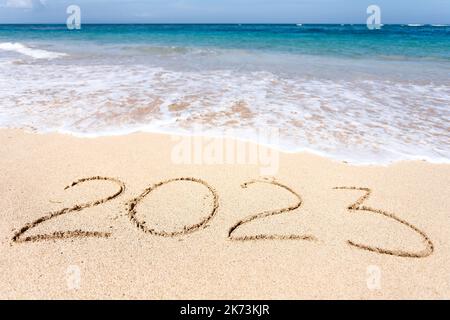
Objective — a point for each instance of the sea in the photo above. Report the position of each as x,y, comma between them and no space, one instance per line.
342,91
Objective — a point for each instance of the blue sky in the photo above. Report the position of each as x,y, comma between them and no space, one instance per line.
223,11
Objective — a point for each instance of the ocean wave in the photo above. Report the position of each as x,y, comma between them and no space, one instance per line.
167,50
415,25
372,121
31,52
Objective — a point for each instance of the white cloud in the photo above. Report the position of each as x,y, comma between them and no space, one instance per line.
24,4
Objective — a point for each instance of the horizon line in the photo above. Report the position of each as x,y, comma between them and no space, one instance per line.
218,23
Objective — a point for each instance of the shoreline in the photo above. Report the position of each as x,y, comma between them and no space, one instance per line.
193,135
134,223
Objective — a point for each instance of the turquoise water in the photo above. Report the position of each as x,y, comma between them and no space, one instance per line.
348,40
340,90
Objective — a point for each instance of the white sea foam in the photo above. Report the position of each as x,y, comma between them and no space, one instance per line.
31,52
415,25
359,121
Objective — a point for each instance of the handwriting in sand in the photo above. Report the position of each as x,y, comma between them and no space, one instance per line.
132,206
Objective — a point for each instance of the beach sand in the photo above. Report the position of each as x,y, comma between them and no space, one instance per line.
173,241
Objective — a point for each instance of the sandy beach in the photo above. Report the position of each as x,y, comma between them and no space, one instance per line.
135,224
